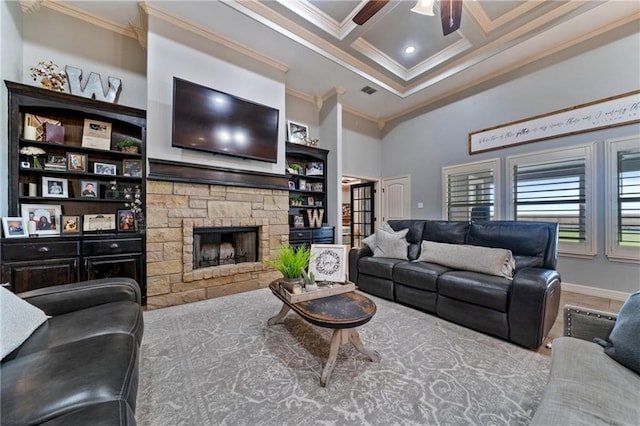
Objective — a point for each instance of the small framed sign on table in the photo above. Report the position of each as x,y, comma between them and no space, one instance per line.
328,262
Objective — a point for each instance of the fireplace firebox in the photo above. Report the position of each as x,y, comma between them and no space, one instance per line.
224,246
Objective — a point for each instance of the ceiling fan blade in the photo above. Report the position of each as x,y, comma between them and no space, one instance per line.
369,9
450,15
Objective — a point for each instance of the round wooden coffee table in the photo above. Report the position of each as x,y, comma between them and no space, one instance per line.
342,312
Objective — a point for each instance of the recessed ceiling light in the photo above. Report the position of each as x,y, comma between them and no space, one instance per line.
409,50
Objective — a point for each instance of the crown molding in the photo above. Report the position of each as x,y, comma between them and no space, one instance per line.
187,25
326,23
30,6
74,12
485,23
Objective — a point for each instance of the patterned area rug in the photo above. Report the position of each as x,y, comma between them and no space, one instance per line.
216,362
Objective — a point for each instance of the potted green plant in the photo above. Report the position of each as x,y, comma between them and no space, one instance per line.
290,262
297,168
128,145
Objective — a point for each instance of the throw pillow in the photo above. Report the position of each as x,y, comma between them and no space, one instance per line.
391,244
370,241
625,336
18,319
492,261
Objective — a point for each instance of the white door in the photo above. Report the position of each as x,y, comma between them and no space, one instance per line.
396,198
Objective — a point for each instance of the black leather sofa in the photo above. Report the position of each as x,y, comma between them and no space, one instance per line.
81,366
521,310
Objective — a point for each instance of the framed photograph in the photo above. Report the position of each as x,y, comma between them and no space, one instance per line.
56,162
98,222
55,187
298,221
89,188
292,185
311,201
42,219
315,168
76,162
126,222
70,224
104,169
297,132
132,168
14,227
96,134
328,262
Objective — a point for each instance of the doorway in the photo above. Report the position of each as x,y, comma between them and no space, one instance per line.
359,209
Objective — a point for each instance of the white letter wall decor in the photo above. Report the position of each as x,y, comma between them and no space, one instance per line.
93,87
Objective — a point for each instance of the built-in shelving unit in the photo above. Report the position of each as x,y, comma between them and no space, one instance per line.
307,174
93,183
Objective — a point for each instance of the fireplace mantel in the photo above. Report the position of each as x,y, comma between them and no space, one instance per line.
175,171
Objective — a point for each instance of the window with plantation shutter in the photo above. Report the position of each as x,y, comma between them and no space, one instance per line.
623,198
471,191
557,186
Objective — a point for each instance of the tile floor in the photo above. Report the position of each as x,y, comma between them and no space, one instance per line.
577,299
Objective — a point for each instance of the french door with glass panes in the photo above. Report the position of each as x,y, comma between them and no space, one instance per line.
362,212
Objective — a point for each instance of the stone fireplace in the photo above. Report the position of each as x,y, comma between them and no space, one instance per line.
177,211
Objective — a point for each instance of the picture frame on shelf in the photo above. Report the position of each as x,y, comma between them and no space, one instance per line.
55,187
98,222
105,169
76,162
14,227
56,162
298,221
132,168
297,132
126,221
328,262
71,224
42,219
96,134
292,185
310,201
315,168
89,188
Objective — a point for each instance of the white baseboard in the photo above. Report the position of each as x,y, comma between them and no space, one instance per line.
594,291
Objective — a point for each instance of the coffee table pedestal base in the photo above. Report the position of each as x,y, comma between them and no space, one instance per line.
340,337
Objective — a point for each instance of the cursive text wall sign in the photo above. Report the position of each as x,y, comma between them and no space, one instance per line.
604,113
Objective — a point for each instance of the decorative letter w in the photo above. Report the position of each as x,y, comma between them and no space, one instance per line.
93,87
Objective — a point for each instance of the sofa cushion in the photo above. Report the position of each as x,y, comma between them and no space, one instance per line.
444,231
414,229
381,267
522,238
112,413
123,317
18,320
418,275
391,244
487,260
479,289
44,385
587,387
625,336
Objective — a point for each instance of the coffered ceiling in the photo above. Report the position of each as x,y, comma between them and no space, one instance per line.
323,51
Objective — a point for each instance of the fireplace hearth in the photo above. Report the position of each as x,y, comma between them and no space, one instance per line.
216,246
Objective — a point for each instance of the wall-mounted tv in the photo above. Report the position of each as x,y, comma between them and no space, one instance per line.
206,119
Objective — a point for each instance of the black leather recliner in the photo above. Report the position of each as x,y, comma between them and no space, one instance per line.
81,365
521,310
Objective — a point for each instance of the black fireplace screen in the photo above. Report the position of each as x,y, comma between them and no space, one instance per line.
224,246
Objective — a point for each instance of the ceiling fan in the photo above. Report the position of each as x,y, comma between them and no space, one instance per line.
450,12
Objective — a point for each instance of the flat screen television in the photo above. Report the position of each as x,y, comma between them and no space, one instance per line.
206,119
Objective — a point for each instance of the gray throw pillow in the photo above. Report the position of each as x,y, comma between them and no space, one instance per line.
391,244
370,241
625,336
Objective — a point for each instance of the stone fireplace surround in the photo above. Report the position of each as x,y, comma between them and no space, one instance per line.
180,197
